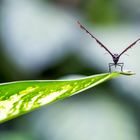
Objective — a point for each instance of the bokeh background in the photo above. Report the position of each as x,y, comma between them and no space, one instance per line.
40,39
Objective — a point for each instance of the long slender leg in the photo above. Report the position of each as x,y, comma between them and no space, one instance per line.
110,65
121,65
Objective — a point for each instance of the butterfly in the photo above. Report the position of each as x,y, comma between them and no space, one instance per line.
115,56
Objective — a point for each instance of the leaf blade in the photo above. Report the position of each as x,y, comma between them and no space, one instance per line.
17,98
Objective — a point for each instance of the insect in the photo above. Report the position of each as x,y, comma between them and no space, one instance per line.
115,56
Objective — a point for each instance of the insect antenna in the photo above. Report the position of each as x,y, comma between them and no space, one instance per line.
82,27
130,46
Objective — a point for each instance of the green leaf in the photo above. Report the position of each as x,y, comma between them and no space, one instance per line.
17,98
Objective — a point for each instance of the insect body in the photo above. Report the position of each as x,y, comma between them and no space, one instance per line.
115,57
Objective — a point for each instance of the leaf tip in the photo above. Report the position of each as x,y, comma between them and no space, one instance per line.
127,73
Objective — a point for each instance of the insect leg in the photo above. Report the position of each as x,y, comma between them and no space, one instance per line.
110,65
121,65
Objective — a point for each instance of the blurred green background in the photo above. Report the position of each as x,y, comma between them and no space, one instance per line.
40,39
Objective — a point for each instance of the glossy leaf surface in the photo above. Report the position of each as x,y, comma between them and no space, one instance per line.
17,98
